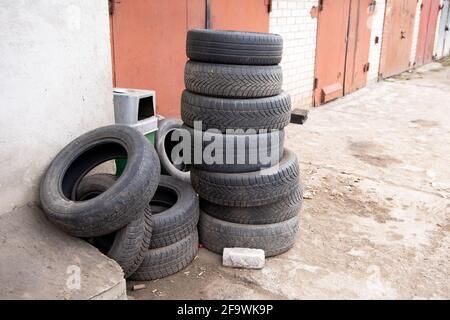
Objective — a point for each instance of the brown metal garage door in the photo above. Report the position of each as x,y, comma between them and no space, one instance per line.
248,15
397,36
427,31
148,40
343,41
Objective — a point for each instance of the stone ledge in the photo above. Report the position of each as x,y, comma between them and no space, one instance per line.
38,261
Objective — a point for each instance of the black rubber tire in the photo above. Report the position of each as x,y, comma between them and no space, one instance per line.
234,47
256,151
128,245
162,262
163,146
274,239
175,208
280,211
122,203
222,114
249,189
233,81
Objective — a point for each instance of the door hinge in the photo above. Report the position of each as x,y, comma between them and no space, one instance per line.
316,83
268,3
112,6
366,67
320,5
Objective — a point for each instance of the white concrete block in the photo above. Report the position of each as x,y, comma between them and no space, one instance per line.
243,258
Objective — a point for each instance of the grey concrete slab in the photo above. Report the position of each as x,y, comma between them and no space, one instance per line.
38,261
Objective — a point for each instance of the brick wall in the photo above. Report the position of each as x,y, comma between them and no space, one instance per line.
375,48
292,20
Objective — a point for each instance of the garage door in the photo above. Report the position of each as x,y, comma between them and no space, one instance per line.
148,40
397,36
427,31
343,40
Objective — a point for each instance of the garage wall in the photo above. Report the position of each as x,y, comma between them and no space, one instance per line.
415,34
292,20
375,48
55,85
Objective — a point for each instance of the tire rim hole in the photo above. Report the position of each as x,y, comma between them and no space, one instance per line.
164,199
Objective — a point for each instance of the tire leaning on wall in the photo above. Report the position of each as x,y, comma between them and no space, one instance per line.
123,202
128,245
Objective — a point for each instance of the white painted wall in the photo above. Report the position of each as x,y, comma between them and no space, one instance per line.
412,59
292,20
55,84
377,24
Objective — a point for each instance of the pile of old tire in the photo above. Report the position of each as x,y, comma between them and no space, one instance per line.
233,81
115,213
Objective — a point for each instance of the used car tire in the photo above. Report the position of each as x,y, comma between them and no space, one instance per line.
274,239
128,245
122,203
249,152
175,208
234,47
165,261
233,81
222,114
280,211
251,188
164,144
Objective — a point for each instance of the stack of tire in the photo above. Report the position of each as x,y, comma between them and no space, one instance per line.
233,81
144,221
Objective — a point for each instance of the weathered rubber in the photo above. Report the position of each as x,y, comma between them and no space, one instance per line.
251,188
175,207
128,245
123,202
233,81
280,211
274,239
234,47
165,261
224,114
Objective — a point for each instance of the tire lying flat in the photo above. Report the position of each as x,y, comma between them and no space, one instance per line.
165,261
234,47
274,239
233,81
175,207
249,152
128,245
123,202
222,114
249,189
280,211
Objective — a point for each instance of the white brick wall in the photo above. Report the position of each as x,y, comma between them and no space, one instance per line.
292,20
415,34
375,48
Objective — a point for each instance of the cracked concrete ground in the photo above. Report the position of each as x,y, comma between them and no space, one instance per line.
376,223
